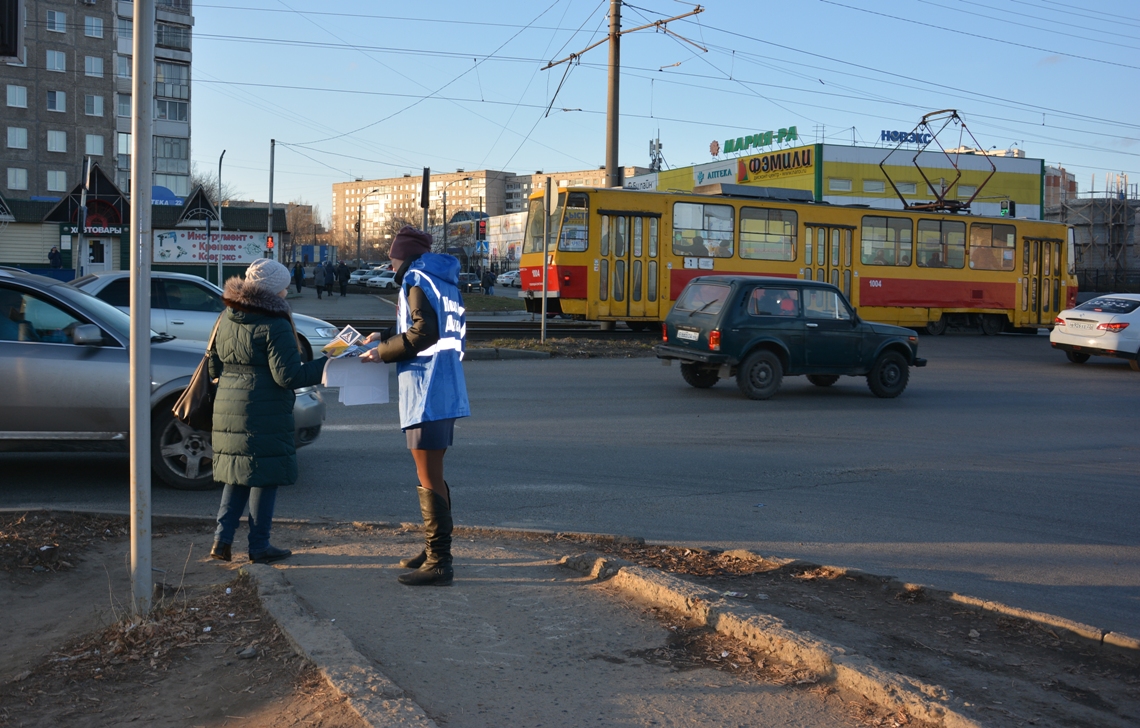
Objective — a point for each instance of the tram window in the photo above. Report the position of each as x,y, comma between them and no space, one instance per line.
619,280
703,231
1045,267
820,275
621,236
774,302
575,222
835,277
847,283
820,304
604,280
534,227
835,247
702,298
636,292
1025,261
768,234
1056,259
992,246
846,247
605,235
820,246
638,230
651,282
885,241
1056,294
652,238
807,245
941,244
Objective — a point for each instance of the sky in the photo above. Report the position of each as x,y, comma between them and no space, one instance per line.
379,89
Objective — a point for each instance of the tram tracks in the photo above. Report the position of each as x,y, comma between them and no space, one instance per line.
483,330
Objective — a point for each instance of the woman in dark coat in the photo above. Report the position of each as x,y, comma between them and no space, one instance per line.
258,365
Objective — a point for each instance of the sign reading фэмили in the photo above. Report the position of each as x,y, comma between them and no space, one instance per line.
760,139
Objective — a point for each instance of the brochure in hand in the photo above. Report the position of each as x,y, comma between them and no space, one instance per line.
348,343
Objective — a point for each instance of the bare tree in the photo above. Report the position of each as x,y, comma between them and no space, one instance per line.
208,179
301,219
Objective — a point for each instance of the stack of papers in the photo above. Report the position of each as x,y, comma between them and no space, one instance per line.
346,344
359,382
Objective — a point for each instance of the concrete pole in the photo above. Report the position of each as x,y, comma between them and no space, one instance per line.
425,200
221,227
359,205
272,147
613,172
445,219
547,204
142,164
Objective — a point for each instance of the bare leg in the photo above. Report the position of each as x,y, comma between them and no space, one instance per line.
429,468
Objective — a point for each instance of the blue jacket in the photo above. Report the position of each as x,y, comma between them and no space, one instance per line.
432,386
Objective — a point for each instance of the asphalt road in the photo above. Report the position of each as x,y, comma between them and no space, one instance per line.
1002,472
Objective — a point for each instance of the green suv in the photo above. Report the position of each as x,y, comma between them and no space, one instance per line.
759,329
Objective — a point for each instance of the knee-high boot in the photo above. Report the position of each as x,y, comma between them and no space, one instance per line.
415,562
436,569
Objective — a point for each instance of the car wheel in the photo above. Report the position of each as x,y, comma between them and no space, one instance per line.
699,377
760,375
936,328
181,456
889,376
823,380
1077,357
1135,364
993,324
306,350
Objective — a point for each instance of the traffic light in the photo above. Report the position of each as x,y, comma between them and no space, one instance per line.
356,226
1008,208
481,230
269,243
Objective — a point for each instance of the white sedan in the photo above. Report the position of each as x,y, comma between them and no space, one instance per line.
1107,325
385,280
362,275
509,279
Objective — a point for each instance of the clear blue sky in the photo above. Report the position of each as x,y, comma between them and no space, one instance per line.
378,89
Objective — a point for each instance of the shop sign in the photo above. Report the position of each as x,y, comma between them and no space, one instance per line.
191,246
907,137
771,166
706,174
758,140
97,230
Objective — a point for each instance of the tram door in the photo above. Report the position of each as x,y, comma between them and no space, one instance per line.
628,266
1041,297
827,253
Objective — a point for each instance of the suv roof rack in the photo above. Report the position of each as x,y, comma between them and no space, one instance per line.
756,193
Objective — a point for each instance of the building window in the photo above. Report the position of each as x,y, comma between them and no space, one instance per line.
125,27
17,137
56,21
56,101
93,105
57,180
176,183
124,144
93,66
123,104
56,61
57,141
908,188
17,178
18,96
172,36
874,185
170,110
172,80
965,192
123,66
838,185
172,155
95,145
93,27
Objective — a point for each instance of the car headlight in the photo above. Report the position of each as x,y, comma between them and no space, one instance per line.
327,332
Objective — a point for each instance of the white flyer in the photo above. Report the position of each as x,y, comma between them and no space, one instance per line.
360,382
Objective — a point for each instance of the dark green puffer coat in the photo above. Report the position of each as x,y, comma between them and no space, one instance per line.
258,365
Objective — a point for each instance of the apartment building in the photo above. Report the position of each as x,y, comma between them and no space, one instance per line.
68,97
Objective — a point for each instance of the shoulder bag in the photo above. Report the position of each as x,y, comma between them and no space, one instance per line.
195,407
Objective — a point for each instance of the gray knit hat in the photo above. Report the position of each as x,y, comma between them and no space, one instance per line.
269,275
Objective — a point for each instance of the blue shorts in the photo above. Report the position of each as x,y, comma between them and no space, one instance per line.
434,435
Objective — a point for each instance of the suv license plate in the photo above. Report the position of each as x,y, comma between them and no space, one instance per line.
687,335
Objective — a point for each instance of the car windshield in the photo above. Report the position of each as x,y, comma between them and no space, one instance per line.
702,297
87,303
1107,304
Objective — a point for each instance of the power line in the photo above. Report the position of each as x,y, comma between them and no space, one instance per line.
1007,21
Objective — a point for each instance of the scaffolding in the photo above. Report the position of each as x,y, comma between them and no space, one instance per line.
1104,226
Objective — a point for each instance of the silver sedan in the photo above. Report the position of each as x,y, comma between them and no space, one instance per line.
65,365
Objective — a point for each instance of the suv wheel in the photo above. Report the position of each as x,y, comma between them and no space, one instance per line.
181,456
889,376
823,380
760,375
698,376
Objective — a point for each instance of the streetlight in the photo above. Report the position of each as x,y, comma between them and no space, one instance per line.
359,206
462,179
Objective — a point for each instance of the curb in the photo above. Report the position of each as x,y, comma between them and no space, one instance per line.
832,662
375,698
485,354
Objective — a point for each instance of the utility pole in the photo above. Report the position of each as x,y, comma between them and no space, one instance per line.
220,226
142,247
424,199
547,206
272,148
613,171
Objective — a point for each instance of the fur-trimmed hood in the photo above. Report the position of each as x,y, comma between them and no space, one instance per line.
243,296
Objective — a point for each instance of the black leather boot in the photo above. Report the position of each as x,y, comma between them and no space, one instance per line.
436,569
221,551
415,562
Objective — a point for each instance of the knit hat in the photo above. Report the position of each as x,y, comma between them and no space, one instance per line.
410,244
268,274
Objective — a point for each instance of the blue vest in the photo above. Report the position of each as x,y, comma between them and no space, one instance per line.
432,386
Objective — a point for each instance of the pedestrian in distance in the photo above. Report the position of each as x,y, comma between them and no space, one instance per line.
55,258
342,274
298,276
427,346
489,283
330,278
258,364
319,279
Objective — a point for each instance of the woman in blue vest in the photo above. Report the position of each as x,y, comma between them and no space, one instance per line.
427,345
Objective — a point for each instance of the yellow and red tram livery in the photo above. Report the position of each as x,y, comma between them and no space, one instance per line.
625,255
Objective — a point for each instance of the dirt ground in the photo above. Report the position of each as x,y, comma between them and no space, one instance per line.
210,656
571,348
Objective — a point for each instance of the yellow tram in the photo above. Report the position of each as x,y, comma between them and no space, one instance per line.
625,255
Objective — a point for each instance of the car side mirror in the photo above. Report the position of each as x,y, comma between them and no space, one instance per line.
87,335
